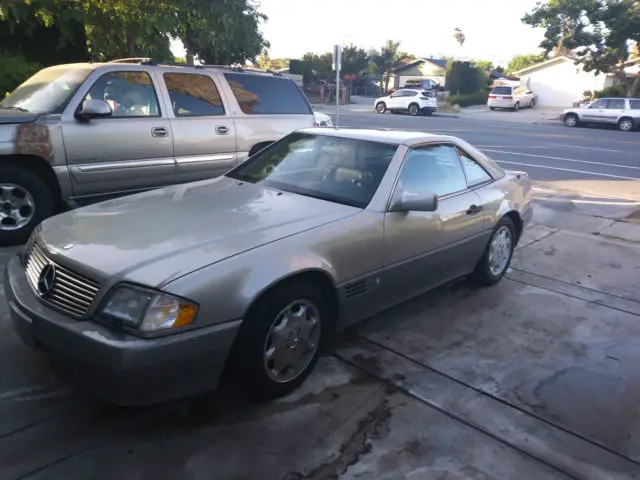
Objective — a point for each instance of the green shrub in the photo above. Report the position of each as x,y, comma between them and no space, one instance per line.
466,100
616,91
13,71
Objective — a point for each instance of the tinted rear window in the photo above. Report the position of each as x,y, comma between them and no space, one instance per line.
635,104
428,93
264,95
501,91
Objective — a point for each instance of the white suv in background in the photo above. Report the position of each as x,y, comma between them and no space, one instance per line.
513,98
623,112
414,101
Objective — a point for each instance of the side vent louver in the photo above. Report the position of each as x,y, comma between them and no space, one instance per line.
355,289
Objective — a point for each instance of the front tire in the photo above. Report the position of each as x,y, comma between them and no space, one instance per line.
25,201
571,120
497,255
278,344
381,107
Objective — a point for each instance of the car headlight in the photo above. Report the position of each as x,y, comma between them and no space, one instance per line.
148,310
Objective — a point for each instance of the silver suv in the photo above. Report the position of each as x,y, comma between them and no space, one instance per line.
623,112
76,134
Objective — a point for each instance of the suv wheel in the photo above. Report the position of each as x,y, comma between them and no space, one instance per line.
414,109
381,107
278,344
516,107
571,120
25,201
626,124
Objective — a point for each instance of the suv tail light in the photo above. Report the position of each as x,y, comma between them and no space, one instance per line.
425,98
492,96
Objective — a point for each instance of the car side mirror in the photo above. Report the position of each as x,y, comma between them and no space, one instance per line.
415,201
94,109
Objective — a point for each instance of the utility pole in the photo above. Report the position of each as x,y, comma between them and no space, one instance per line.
337,64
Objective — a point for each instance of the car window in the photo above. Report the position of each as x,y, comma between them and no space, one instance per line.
616,104
400,93
411,93
634,104
475,173
340,170
266,95
193,95
433,168
501,91
130,94
48,91
602,103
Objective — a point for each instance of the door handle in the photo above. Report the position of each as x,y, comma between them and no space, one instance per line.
222,130
159,132
473,209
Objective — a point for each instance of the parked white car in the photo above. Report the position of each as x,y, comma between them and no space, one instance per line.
408,100
512,98
623,112
322,120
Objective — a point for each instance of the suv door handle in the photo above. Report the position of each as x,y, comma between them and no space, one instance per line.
159,132
473,209
222,130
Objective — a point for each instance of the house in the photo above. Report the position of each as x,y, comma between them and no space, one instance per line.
559,82
418,69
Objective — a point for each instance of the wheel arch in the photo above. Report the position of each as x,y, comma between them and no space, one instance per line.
41,168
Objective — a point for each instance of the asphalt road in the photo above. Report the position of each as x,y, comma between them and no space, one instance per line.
594,161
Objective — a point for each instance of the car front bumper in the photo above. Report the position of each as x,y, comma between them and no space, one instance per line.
115,365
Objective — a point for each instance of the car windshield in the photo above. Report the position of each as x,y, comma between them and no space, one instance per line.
339,170
48,91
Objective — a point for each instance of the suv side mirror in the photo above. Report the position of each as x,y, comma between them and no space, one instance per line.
94,109
415,201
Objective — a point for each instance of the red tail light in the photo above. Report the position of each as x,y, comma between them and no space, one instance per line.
492,96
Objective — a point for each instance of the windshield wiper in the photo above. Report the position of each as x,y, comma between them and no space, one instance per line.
19,109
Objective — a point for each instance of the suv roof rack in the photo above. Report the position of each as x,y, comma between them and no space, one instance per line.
140,60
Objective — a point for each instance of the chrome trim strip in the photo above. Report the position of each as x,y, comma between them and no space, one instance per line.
205,158
102,166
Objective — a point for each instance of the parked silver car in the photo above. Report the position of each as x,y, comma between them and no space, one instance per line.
77,134
623,112
156,295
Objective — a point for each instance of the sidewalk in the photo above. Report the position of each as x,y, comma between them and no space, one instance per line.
527,115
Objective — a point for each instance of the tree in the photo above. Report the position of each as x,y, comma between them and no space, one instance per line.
459,36
464,78
355,60
599,33
520,62
385,60
320,66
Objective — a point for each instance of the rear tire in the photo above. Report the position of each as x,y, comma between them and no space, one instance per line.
25,201
249,365
626,124
516,107
414,109
492,108
497,255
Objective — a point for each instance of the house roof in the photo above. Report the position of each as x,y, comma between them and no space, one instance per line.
436,61
548,63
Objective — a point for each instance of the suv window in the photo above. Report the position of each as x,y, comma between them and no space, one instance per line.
501,91
193,95
602,103
475,173
434,168
130,94
617,104
265,95
634,104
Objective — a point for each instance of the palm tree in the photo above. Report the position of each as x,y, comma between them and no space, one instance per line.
458,36
386,60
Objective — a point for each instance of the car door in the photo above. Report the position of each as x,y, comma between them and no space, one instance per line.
131,149
614,110
397,100
596,112
204,133
425,249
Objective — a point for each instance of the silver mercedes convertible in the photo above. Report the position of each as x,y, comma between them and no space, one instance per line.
167,293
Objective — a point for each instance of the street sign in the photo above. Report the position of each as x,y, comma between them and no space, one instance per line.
337,57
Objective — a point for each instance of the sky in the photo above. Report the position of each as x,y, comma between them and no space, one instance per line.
492,28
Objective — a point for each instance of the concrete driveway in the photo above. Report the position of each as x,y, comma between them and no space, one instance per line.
537,114
534,378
